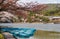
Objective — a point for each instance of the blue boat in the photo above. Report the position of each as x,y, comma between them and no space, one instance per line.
20,32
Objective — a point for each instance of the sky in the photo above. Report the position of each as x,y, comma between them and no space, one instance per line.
20,2
41,1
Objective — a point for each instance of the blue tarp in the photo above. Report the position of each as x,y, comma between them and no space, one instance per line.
20,32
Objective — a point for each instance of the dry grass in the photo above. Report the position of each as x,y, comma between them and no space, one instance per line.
46,35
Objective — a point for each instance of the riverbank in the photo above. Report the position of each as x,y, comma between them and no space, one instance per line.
39,34
46,35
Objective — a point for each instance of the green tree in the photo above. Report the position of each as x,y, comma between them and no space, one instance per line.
44,19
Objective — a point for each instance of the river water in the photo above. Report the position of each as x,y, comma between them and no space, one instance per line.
37,26
44,31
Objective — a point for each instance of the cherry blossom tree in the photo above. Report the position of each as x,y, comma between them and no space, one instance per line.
20,10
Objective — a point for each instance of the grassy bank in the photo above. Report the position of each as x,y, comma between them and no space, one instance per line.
46,35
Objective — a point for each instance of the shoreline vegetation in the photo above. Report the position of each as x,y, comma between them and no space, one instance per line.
33,12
